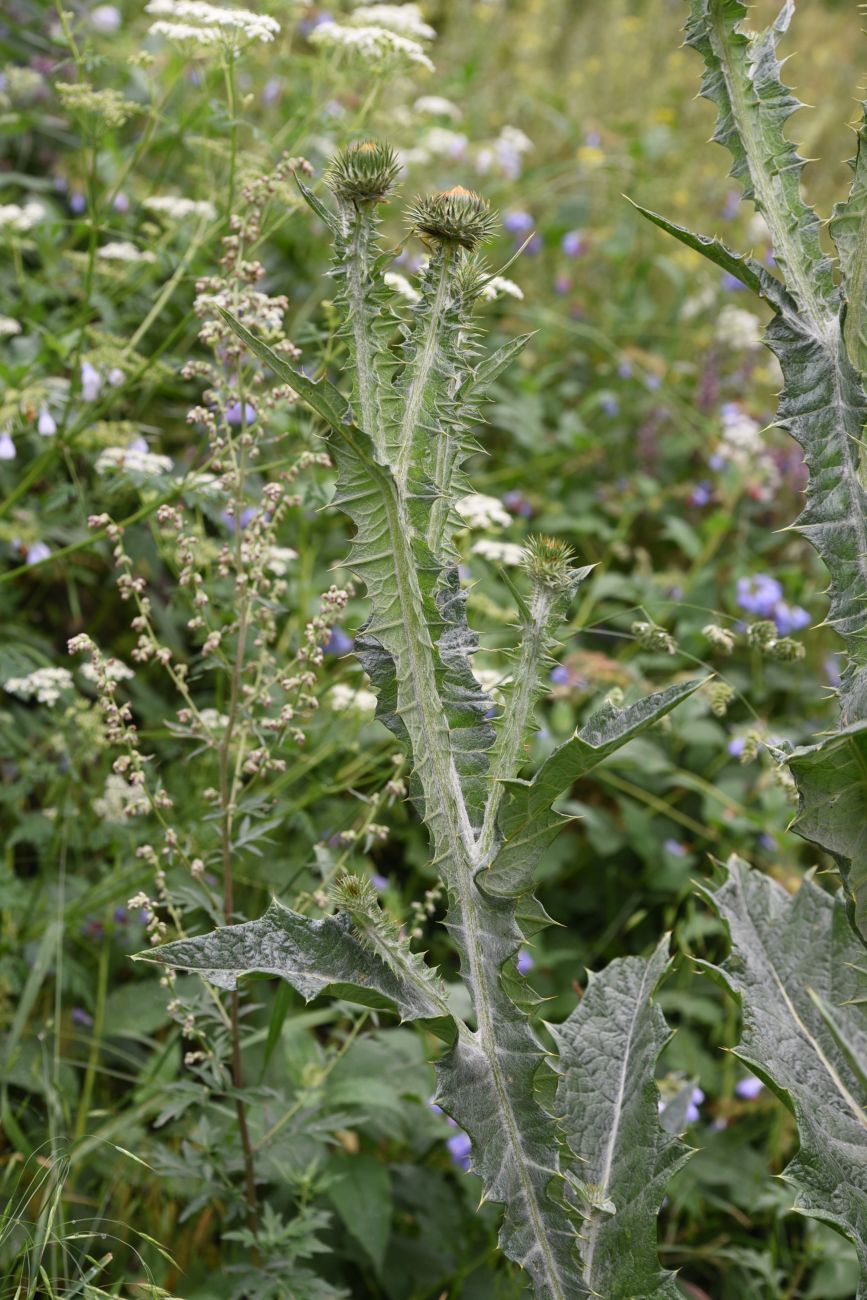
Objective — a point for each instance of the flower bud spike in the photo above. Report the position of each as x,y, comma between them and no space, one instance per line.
455,217
364,173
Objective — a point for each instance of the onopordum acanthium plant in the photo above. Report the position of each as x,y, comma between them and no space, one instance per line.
581,1175
580,1203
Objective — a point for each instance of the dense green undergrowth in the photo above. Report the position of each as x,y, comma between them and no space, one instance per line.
169,505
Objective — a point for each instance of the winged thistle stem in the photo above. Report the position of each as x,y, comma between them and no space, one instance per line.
399,446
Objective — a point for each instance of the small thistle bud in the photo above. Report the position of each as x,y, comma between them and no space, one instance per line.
785,648
549,562
720,695
652,637
363,173
455,216
355,895
762,633
719,637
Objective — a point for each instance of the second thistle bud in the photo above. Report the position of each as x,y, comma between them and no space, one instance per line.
550,563
457,216
363,173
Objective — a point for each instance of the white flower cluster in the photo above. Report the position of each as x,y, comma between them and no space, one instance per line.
346,700
742,446
121,250
9,326
19,220
175,208
508,553
738,329
437,106
377,47
480,511
498,287
196,22
43,684
133,461
258,311
279,558
115,670
406,20
121,799
505,154
401,286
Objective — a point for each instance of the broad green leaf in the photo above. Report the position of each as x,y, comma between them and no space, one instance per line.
609,1102
361,1193
794,968
832,807
528,822
314,956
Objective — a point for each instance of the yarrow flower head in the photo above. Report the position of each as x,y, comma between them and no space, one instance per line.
455,217
175,208
363,173
45,685
121,250
19,220
480,511
406,20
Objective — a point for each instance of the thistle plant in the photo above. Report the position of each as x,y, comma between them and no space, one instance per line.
580,1204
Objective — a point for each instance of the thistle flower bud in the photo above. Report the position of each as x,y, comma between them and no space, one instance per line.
456,216
550,563
355,895
363,173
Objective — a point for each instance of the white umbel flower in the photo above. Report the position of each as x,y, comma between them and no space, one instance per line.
17,219
738,329
279,559
437,106
344,699
399,283
507,553
45,685
175,208
480,511
206,24
406,20
133,461
375,46
499,287
121,250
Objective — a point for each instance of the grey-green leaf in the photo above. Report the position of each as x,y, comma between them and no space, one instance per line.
794,968
832,807
609,1103
314,956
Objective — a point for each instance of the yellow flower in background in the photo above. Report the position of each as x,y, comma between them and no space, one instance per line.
591,155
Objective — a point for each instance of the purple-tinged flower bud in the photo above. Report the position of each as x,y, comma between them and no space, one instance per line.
46,425
91,382
460,1149
79,1016
235,417
77,204
572,243
749,1089
7,446
38,552
675,848
120,202
338,643
525,962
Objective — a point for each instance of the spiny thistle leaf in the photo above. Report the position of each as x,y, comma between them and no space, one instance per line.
528,822
794,968
849,232
314,956
832,807
610,1117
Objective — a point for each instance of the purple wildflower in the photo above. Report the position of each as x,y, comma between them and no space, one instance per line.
245,516
716,461
702,494
534,244
38,552
731,282
592,139
832,666
561,675
731,205
693,1113
271,91
675,848
736,746
235,417
120,202
91,382
7,446
767,842
624,369
339,643
121,915
610,404
525,962
81,1017
562,284
518,504
759,594
748,1089
46,425
572,243
518,223
380,883
460,1148
77,203
790,618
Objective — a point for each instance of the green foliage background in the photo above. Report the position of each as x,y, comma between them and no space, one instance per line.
601,434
